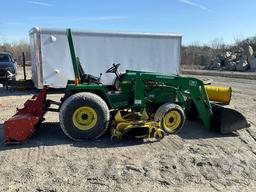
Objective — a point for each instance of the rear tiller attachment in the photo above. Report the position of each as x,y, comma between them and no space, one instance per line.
23,124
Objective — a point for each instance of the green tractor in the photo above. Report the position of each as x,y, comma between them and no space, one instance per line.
147,104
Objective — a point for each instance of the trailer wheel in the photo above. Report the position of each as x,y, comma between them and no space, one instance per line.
171,117
84,116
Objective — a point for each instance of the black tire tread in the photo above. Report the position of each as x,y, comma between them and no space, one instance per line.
163,109
87,96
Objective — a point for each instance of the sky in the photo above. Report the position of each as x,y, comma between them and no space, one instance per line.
198,21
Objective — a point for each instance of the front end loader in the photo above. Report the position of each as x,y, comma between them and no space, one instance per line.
146,104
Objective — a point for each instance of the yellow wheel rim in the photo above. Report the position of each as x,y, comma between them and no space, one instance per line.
171,120
84,118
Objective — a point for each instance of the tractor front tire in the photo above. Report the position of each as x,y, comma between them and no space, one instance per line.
84,116
171,117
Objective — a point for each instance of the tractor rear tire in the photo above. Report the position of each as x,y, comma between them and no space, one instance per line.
171,117
84,116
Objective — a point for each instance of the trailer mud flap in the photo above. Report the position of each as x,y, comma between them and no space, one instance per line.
226,120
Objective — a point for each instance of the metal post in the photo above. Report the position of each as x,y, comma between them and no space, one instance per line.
24,66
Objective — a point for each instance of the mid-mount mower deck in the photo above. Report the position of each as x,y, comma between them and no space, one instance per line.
147,104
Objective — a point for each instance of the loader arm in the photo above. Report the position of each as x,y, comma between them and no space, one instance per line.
187,89
198,95
184,87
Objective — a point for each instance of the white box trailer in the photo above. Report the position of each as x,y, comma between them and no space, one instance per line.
97,51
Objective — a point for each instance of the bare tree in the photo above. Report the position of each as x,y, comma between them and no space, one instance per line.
16,50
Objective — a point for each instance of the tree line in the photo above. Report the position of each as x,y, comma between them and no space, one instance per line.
16,50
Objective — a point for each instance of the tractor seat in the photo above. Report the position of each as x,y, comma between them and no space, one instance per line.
87,78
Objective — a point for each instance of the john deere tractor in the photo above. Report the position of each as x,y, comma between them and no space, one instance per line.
149,104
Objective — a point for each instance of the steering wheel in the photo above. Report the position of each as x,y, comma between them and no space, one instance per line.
113,69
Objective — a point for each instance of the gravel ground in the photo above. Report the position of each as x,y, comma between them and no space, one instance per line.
194,160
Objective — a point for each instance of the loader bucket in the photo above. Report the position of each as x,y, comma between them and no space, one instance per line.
23,124
226,120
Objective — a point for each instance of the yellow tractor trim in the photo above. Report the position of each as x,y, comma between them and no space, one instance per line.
118,117
84,118
219,94
171,120
130,121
